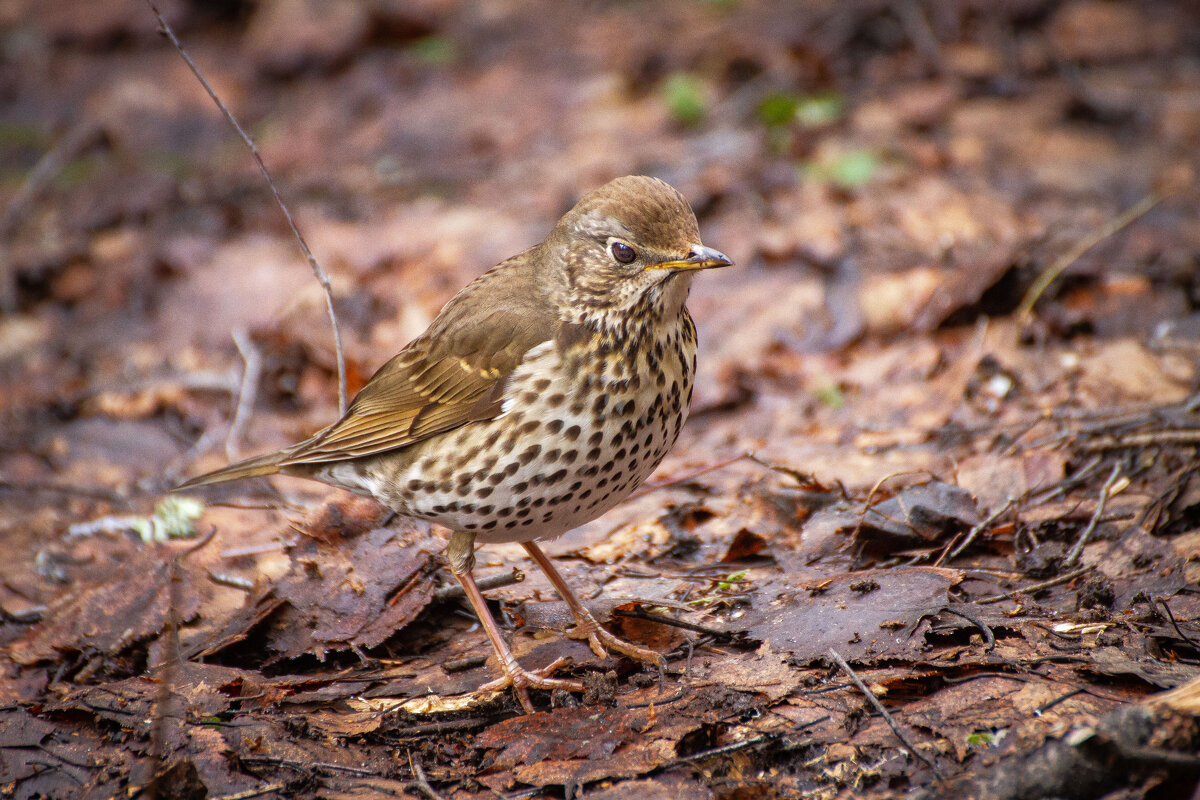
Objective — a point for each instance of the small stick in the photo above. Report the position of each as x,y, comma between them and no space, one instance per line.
1105,491
874,701
654,487
871,496
1175,625
451,591
975,531
1060,265
322,278
246,393
662,619
421,783
989,638
1036,587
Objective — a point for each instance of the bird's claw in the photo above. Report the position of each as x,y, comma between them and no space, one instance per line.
522,680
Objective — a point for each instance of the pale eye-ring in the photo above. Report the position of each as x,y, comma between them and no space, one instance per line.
623,253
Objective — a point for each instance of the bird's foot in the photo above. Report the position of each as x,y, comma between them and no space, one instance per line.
522,680
601,641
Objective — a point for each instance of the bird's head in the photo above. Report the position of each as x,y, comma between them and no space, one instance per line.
632,244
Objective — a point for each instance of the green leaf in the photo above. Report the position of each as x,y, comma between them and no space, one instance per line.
684,95
434,50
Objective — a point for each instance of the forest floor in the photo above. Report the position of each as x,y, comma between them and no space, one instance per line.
944,447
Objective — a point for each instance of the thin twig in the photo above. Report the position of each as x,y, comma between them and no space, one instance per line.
1036,587
453,590
1105,491
989,638
421,784
871,496
246,393
975,531
874,701
663,619
1175,625
1060,265
647,488
322,278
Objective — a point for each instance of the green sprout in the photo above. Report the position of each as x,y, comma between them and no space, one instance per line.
684,95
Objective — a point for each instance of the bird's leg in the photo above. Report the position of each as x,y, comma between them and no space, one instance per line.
586,626
461,555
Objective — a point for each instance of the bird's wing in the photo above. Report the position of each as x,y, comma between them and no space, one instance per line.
455,373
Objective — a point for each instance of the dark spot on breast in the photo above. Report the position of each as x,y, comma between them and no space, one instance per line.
445,486
483,492
523,513
529,398
572,433
414,485
491,523
608,466
485,510
554,425
470,526
555,400
595,439
512,523
552,455
495,478
520,486
570,456
463,489
600,404
504,512
577,407
529,454
584,495
593,454
511,468
529,427
541,384
574,487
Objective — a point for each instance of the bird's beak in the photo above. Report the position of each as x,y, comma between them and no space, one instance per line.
701,258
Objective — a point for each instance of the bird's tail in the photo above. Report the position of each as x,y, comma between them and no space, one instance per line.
269,464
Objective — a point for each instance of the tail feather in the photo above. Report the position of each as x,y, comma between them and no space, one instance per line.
269,464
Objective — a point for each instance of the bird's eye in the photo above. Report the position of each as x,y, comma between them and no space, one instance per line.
623,253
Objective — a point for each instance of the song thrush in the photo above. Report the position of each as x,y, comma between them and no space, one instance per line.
540,397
